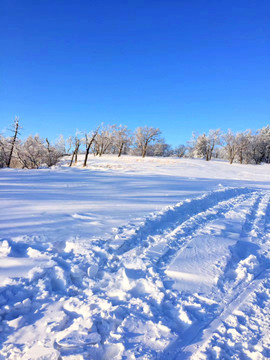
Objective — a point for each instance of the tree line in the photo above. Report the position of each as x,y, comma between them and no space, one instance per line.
243,147
32,153
35,152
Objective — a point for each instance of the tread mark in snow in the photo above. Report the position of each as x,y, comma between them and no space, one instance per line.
236,291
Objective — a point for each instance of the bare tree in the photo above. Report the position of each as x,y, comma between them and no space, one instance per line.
60,145
204,145
121,138
53,154
180,150
230,145
159,148
89,140
243,141
263,140
104,139
32,153
3,151
77,143
213,139
69,144
49,149
257,149
15,130
144,136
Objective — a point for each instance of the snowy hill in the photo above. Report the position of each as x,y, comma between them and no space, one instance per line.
131,258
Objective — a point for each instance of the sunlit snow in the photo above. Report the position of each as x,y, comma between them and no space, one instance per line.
135,258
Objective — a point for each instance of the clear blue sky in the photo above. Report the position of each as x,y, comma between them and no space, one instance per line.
180,65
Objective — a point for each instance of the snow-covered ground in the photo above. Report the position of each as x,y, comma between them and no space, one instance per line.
135,258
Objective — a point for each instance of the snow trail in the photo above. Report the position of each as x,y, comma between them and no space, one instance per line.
228,308
171,218
234,290
158,289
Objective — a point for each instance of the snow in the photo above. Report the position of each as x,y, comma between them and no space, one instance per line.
135,258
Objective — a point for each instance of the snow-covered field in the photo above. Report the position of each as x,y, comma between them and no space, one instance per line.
135,258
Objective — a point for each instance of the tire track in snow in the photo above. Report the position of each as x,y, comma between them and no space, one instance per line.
190,227
181,237
209,329
166,221
193,228
250,237
235,293
163,223
177,239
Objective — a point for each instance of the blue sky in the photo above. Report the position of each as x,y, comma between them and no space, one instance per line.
180,65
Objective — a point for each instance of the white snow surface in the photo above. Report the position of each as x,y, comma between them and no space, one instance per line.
135,258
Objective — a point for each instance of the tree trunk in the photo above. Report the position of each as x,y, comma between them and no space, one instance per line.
72,158
13,142
143,152
89,147
76,153
86,155
241,156
49,152
120,150
76,156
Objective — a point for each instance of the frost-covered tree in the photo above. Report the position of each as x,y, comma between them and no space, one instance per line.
180,150
121,139
159,148
257,149
199,146
4,153
69,144
52,154
144,136
204,145
243,141
76,143
60,145
263,144
35,152
32,152
213,139
104,139
230,145
242,146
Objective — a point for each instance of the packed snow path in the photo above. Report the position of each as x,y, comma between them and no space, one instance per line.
190,281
